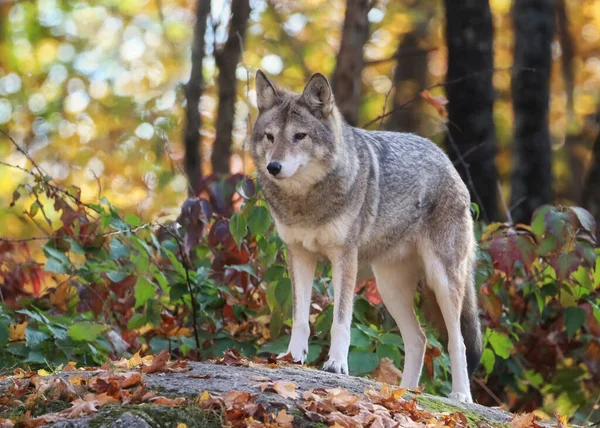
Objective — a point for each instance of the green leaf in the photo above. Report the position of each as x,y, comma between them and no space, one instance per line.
177,291
392,339
35,207
368,330
259,220
538,222
53,265
116,276
117,249
238,228
144,290
574,319
362,362
136,321
359,339
57,254
35,337
501,343
132,220
84,331
4,331
597,273
391,352
586,219
278,346
313,353
488,360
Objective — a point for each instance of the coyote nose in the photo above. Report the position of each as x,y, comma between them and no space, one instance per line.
274,168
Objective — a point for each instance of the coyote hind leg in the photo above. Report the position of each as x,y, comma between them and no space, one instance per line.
449,287
397,283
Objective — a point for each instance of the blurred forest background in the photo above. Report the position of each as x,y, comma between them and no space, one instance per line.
103,145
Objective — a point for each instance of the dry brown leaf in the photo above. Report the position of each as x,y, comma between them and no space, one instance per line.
286,389
179,367
198,376
341,398
158,364
173,402
70,367
207,401
6,423
341,420
387,372
259,378
80,408
525,420
131,379
283,419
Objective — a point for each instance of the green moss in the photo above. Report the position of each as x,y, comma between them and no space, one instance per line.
438,406
161,416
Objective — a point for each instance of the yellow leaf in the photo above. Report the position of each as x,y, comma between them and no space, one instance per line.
17,331
181,425
43,372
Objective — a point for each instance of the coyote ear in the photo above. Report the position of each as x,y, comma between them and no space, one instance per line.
266,94
318,96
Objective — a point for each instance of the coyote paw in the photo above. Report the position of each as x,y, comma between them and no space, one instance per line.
298,349
297,357
459,396
333,366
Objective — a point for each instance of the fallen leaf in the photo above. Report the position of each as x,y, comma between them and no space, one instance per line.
6,423
198,376
387,372
158,364
525,420
164,401
283,419
286,389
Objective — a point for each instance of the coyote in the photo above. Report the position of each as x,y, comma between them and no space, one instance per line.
389,200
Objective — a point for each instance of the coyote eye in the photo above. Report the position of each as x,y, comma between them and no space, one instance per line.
269,137
299,136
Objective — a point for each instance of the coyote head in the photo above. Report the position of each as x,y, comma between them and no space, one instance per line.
295,135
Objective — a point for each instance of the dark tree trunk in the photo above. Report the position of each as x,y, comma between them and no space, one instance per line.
227,59
346,77
410,77
193,91
472,135
532,173
591,190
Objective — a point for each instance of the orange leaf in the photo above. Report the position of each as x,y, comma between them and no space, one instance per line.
439,103
173,402
286,389
387,372
158,364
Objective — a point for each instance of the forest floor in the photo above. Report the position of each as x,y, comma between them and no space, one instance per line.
153,392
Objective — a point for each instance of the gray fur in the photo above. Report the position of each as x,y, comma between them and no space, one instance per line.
389,195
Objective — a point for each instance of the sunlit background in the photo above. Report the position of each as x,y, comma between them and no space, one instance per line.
92,90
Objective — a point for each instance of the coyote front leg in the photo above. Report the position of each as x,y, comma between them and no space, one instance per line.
301,266
344,265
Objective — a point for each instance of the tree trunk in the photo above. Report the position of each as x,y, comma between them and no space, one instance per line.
346,77
532,173
410,77
193,91
591,190
227,59
472,140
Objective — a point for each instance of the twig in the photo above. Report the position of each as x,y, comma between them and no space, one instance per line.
186,263
387,95
99,235
489,391
440,84
506,210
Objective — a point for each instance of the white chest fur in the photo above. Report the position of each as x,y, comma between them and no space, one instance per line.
319,239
